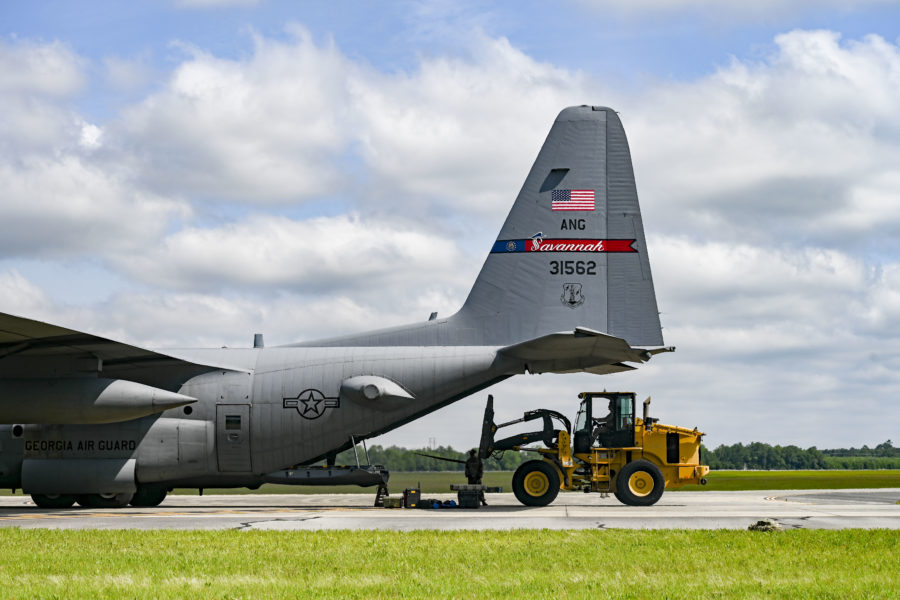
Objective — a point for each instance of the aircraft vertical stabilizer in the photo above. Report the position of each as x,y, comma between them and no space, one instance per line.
572,251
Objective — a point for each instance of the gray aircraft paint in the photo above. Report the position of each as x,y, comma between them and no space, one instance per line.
561,291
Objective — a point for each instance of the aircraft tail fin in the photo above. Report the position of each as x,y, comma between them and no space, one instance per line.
572,252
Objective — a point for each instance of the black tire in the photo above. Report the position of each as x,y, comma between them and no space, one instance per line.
640,483
536,483
149,495
53,500
104,500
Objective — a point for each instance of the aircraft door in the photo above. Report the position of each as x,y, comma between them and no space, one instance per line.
233,437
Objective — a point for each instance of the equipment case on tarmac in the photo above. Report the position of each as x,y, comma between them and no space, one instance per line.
468,498
469,495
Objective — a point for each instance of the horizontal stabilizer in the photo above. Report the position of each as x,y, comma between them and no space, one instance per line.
607,369
582,350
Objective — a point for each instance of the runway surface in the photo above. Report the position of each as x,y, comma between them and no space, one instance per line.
802,509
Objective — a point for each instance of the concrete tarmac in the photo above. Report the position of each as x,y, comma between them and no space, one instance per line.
801,509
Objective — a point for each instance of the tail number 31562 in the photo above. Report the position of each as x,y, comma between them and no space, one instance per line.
573,267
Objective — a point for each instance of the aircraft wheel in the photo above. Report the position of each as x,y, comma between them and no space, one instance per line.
53,500
640,483
149,495
536,483
104,500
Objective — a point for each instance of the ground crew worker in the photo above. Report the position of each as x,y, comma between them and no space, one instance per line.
605,424
475,472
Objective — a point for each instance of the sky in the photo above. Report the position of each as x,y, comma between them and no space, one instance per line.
186,173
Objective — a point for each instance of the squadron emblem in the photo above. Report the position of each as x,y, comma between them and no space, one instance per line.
572,295
311,404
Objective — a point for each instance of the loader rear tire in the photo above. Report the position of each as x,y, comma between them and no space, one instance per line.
640,483
536,483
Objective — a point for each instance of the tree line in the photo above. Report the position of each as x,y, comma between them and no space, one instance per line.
756,456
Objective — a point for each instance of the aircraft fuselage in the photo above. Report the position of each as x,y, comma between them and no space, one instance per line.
275,408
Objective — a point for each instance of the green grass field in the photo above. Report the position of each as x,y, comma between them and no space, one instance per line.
483,564
798,480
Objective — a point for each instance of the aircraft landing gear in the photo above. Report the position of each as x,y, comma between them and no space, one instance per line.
104,500
53,500
149,495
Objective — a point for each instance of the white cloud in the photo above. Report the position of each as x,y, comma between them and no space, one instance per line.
40,69
127,75
775,338
171,319
767,143
90,136
276,127
801,147
61,197
20,296
880,314
36,83
324,255
483,119
759,279
266,130
67,206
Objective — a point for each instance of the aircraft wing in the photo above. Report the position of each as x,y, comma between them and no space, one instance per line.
582,350
31,348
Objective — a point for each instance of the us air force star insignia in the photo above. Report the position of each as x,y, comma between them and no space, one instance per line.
311,404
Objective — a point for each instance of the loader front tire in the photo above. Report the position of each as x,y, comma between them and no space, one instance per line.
640,483
536,483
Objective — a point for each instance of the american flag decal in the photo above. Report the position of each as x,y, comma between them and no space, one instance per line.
572,199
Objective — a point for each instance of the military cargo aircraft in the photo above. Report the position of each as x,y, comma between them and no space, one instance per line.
565,288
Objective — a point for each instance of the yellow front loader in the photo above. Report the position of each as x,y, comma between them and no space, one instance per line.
610,450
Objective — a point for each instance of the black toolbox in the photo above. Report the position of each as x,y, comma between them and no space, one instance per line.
411,498
469,498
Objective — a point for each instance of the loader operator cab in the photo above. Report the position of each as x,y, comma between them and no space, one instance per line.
605,419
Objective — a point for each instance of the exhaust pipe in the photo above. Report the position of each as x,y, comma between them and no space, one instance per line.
646,409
